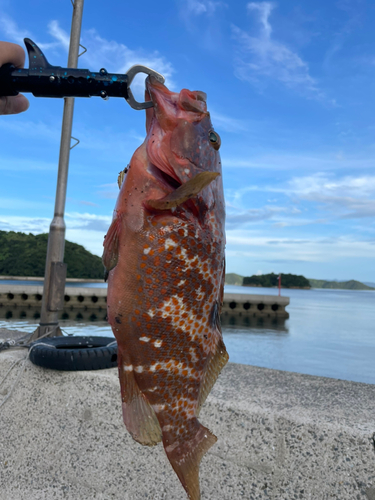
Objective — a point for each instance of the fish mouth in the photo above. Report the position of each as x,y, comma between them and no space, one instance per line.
170,184
164,179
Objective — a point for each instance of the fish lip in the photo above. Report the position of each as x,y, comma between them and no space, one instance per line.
157,91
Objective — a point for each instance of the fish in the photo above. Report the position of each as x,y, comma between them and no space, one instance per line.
164,257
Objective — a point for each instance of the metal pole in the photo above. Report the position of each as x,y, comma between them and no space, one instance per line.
55,270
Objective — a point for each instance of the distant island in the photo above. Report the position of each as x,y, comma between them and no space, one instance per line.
272,279
233,279
340,285
292,281
25,255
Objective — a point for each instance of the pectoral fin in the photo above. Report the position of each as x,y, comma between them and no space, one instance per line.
183,193
111,243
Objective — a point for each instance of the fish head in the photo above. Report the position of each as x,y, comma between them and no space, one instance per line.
181,142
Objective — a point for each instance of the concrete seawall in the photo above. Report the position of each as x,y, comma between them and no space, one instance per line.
281,436
26,299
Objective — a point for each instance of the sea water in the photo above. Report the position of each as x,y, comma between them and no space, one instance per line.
329,333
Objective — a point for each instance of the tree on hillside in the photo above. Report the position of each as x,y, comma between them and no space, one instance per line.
25,255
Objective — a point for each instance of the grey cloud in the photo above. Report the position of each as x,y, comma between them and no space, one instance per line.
91,225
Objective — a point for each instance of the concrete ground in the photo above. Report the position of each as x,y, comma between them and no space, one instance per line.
281,436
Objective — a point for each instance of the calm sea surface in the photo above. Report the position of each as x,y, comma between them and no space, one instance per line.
329,333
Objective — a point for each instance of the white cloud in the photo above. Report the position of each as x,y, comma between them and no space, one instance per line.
263,57
198,7
59,34
349,197
302,162
228,123
115,57
237,217
250,244
11,31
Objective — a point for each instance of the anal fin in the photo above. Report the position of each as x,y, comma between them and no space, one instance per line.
215,364
139,417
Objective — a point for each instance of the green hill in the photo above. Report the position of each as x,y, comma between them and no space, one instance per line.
233,279
271,280
25,255
340,285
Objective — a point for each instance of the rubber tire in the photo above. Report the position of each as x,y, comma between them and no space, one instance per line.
74,353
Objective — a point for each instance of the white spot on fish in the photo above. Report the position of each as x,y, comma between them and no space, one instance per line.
146,250
169,243
172,447
152,389
158,343
193,353
151,313
138,369
158,408
187,170
167,428
144,339
181,282
128,368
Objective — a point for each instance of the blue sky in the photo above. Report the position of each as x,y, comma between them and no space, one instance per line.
291,92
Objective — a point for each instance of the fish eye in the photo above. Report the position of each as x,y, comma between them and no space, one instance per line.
213,137
214,140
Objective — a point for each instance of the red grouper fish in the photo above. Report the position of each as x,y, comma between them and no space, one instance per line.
165,255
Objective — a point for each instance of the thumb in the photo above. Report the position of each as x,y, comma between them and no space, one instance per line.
12,105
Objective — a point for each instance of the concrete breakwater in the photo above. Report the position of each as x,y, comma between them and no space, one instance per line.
281,436
24,301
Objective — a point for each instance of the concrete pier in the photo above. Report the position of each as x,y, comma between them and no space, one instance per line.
281,436
24,301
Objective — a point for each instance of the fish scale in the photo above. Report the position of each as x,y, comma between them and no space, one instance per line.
165,255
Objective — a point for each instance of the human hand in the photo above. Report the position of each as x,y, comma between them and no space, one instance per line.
14,54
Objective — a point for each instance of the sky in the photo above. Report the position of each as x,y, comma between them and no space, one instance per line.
290,90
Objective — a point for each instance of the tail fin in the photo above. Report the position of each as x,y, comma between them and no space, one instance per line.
186,457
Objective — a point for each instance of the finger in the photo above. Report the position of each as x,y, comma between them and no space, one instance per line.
13,105
12,53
